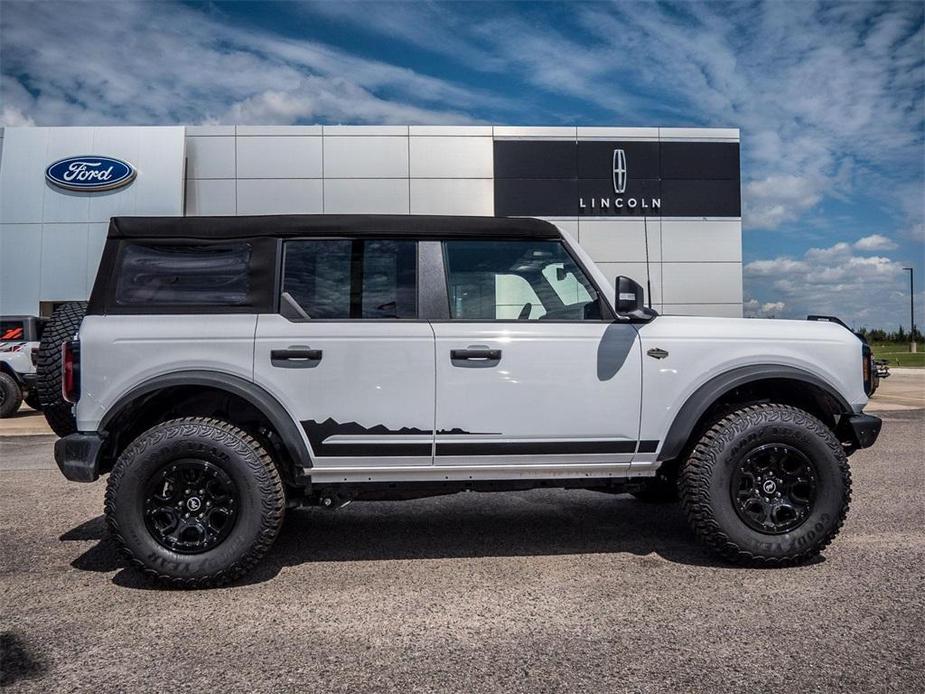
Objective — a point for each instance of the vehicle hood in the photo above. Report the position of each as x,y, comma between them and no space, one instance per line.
748,329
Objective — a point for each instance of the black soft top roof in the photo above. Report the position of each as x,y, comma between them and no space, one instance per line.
424,226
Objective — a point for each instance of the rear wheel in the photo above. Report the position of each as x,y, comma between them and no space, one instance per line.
10,395
63,326
195,502
767,485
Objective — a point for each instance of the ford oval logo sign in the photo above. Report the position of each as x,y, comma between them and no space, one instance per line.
90,173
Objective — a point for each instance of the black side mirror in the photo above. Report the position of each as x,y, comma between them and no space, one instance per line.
629,295
630,300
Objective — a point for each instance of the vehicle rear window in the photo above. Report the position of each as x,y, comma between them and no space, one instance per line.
352,278
184,275
12,330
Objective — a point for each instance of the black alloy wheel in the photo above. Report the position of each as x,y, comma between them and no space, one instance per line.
195,502
766,485
774,488
190,506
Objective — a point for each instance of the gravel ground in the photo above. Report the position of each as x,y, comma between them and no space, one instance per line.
540,591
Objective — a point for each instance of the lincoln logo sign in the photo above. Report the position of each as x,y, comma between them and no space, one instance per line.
90,173
619,172
618,204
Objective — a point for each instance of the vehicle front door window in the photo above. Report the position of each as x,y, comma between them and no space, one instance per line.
517,280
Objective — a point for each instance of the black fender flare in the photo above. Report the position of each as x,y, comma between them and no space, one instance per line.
703,398
272,409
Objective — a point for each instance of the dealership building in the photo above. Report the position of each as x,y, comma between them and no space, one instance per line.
660,205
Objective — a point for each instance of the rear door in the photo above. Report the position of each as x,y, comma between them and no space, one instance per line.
532,369
350,359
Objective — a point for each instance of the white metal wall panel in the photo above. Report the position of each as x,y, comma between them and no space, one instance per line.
279,157
280,196
613,240
210,157
281,130
717,310
366,196
451,157
713,240
211,197
365,157
702,283
64,270
20,268
22,175
96,239
467,196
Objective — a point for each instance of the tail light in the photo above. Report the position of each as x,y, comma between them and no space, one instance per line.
70,370
867,365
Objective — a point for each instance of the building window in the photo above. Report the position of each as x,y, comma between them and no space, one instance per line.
352,279
517,280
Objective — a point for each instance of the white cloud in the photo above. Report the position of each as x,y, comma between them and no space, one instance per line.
875,242
916,232
73,66
769,309
12,117
827,96
862,290
774,200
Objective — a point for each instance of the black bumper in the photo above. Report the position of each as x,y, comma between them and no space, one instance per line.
78,456
864,429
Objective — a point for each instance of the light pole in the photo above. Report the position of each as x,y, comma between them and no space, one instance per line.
913,347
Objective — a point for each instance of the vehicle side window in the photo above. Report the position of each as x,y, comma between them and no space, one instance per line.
340,279
210,275
517,280
12,330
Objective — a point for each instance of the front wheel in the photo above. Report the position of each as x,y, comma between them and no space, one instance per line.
10,395
767,485
195,502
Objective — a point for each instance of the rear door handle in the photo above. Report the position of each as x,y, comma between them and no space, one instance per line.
486,354
295,357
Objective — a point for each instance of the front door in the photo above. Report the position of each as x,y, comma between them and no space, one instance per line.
348,355
532,370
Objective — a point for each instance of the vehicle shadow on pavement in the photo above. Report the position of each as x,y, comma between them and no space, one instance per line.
538,523
18,661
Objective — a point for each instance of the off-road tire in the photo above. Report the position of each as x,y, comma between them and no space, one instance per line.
10,395
261,506
705,479
63,326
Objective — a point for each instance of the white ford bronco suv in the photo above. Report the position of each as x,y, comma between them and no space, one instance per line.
229,368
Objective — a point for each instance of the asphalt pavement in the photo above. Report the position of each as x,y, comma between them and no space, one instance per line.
548,590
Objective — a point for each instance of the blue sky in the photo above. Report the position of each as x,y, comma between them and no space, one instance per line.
830,100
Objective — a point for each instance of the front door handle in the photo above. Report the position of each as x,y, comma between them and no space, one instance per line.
295,357
486,354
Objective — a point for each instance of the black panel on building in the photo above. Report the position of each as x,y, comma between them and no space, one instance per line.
568,178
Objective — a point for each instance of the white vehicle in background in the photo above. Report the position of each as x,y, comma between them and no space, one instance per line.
19,336
229,368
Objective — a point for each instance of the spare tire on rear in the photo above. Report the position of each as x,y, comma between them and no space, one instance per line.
63,326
